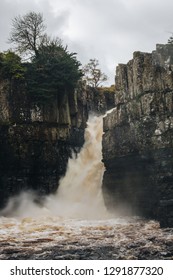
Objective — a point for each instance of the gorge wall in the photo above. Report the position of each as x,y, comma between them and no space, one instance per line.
37,139
138,138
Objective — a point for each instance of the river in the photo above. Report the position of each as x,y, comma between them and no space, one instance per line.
74,223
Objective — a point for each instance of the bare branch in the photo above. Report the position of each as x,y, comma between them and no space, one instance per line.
28,32
92,74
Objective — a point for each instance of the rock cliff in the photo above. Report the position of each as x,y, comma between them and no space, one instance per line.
37,139
138,139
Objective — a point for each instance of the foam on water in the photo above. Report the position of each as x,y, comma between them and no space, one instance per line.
79,194
74,223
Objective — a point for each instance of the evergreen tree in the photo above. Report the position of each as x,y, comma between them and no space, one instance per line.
53,71
11,66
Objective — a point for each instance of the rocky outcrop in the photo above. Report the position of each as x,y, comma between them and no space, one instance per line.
138,139
36,139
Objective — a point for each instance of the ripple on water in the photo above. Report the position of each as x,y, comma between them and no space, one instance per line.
127,238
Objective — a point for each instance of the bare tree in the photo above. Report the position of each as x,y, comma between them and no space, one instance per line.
28,32
92,74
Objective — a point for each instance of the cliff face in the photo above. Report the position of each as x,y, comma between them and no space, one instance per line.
36,140
138,139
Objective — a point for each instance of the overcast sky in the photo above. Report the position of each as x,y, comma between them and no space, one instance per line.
109,30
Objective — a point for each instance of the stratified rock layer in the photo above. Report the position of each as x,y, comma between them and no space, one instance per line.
138,139
36,139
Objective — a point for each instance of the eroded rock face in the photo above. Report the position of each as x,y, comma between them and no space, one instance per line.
36,140
138,139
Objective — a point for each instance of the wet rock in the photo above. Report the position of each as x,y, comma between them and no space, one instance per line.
138,138
37,138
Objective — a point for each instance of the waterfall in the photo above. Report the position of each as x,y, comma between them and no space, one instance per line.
79,194
74,223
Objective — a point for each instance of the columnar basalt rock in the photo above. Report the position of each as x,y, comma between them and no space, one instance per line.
138,138
37,139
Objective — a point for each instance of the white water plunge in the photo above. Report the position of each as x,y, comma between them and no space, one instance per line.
79,194
74,223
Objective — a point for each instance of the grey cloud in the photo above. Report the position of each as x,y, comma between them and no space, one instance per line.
110,30
12,8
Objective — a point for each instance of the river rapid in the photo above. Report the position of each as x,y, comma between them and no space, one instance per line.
74,223
53,238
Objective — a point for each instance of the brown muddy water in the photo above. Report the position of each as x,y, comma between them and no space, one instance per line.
74,223
53,238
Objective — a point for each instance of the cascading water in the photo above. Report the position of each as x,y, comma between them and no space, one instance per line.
79,194
74,223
